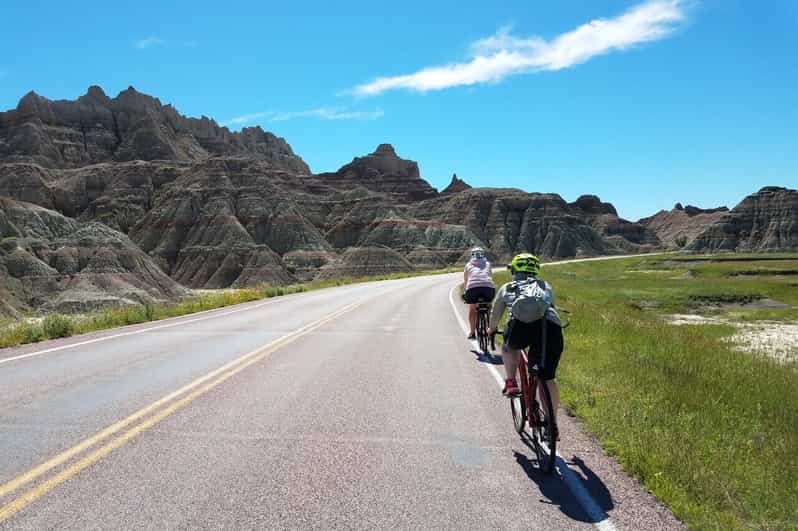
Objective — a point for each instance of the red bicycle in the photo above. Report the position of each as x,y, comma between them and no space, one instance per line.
532,409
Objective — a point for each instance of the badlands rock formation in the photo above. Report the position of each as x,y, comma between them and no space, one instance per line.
679,227
766,221
457,185
132,126
53,262
200,206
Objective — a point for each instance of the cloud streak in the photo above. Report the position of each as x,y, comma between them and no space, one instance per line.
502,54
328,113
323,113
148,42
248,118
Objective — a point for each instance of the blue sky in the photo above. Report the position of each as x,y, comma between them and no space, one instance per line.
654,102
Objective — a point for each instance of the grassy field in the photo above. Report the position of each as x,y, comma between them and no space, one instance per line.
711,430
51,326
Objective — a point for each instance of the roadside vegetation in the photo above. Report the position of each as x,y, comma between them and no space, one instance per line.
51,326
711,429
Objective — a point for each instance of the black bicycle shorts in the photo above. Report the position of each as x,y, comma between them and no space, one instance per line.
529,335
480,294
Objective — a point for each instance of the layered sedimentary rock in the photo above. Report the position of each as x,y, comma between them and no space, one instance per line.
383,171
210,208
508,221
678,227
623,235
228,222
132,126
361,261
53,262
766,221
457,185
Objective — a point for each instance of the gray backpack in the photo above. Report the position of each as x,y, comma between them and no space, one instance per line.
531,300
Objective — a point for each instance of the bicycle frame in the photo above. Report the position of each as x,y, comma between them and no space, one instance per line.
483,318
529,387
536,409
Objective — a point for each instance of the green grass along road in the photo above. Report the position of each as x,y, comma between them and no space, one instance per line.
712,431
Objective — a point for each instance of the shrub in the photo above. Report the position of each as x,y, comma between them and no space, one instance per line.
57,325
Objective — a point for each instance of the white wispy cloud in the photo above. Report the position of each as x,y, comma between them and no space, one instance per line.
324,113
148,42
329,113
248,118
502,54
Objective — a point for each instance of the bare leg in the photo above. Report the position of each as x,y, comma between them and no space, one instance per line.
472,317
554,391
510,358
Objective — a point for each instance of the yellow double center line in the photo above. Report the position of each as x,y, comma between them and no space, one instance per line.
195,389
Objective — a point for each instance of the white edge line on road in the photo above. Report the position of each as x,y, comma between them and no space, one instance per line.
218,312
181,321
599,518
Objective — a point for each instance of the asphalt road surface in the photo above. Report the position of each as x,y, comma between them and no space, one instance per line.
359,407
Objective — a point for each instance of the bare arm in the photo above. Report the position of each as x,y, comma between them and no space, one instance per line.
498,309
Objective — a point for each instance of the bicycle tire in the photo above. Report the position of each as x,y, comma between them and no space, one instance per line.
545,432
518,410
482,331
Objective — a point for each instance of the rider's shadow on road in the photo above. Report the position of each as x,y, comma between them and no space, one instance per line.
556,491
486,357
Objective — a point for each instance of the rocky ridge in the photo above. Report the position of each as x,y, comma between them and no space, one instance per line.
210,208
383,171
766,221
131,126
678,227
457,185
52,262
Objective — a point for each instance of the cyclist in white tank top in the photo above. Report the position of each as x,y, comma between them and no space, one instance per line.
478,285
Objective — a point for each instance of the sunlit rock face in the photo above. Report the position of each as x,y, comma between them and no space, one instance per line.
678,227
51,262
211,208
766,221
132,126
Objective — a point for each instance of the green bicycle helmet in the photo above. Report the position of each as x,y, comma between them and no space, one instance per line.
525,263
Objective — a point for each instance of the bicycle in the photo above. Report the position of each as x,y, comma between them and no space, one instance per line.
483,313
534,409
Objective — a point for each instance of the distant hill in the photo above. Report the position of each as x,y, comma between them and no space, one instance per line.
212,208
678,227
766,221
131,126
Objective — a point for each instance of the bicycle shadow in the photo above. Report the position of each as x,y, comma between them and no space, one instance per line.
557,492
487,357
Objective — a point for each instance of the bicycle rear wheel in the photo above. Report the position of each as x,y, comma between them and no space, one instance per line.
544,433
482,330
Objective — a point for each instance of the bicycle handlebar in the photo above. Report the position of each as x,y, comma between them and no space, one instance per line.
493,338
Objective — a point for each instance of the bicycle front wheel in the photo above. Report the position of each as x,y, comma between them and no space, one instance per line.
518,409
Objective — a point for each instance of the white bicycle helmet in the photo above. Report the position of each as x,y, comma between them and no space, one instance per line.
477,252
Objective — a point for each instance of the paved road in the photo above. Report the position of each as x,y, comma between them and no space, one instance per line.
355,407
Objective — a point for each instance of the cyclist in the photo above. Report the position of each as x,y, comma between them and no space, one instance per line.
478,285
526,267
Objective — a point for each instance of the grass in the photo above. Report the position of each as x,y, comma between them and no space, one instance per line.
56,325
711,431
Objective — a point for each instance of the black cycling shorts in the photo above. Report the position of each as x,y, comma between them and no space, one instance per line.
480,294
529,335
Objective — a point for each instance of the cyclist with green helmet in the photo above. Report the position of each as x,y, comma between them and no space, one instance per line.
525,268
